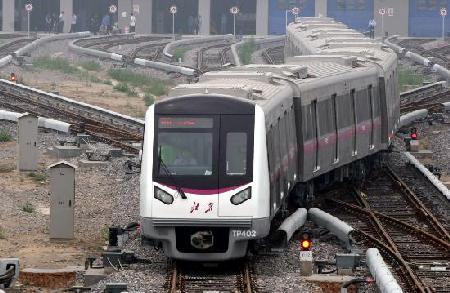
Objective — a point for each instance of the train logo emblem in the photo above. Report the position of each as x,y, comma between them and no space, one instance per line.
295,11
382,11
29,7
234,10
443,12
173,9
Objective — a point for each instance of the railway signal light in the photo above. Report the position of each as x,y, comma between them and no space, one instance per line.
413,133
306,242
13,77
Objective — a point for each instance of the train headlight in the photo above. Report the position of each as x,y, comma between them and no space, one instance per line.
241,196
163,196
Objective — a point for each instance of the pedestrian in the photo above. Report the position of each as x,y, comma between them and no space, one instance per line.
48,22
132,23
106,22
61,22
197,23
372,25
73,26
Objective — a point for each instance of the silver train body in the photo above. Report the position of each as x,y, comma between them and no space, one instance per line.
223,156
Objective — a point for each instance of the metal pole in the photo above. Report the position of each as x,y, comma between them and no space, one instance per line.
173,25
28,24
443,27
382,26
234,24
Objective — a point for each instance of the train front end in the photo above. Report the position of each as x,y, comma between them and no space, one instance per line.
204,180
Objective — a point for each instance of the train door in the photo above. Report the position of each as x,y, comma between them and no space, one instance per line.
235,164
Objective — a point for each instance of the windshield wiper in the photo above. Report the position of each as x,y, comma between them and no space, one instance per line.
170,175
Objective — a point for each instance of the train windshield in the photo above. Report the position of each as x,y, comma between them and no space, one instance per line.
185,146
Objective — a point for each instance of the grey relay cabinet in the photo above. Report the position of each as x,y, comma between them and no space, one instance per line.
62,200
27,142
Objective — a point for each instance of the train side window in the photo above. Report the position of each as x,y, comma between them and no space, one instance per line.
372,117
315,121
355,122
335,127
236,154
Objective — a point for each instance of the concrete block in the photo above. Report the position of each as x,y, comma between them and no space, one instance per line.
414,146
93,276
48,278
423,155
91,164
331,283
64,152
306,263
115,153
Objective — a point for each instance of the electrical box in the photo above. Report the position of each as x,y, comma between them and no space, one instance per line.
62,200
27,152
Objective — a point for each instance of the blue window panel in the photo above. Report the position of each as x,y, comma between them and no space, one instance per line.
277,13
356,14
425,19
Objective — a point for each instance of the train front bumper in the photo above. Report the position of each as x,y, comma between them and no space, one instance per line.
220,239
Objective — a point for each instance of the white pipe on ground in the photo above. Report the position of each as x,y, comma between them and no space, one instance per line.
380,271
42,122
333,224
292,224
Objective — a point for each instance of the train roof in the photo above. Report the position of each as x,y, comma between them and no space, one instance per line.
324,36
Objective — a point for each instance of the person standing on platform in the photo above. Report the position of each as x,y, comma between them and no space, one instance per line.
61,22
132,23
73,27
48,22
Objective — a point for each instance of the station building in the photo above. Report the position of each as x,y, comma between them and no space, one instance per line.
415,18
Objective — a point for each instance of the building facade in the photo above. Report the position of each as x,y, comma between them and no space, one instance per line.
416,18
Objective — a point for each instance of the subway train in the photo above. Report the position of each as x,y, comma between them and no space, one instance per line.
224,157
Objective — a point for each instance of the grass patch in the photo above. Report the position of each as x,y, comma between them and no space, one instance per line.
55,63
37,177
179,54
6,167
154,86
5,136
149,99
246,51
28,208
125,88
91,65
408,79
107,81
2,234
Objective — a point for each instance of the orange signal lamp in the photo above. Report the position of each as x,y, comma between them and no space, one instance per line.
306,242
13,77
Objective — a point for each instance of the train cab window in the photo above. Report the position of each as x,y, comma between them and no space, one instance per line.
236,154
185,153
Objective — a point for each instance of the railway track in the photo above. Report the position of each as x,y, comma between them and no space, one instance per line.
12,46
431,101
230,277
387,214
114,130
152,51
274,55
212,57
